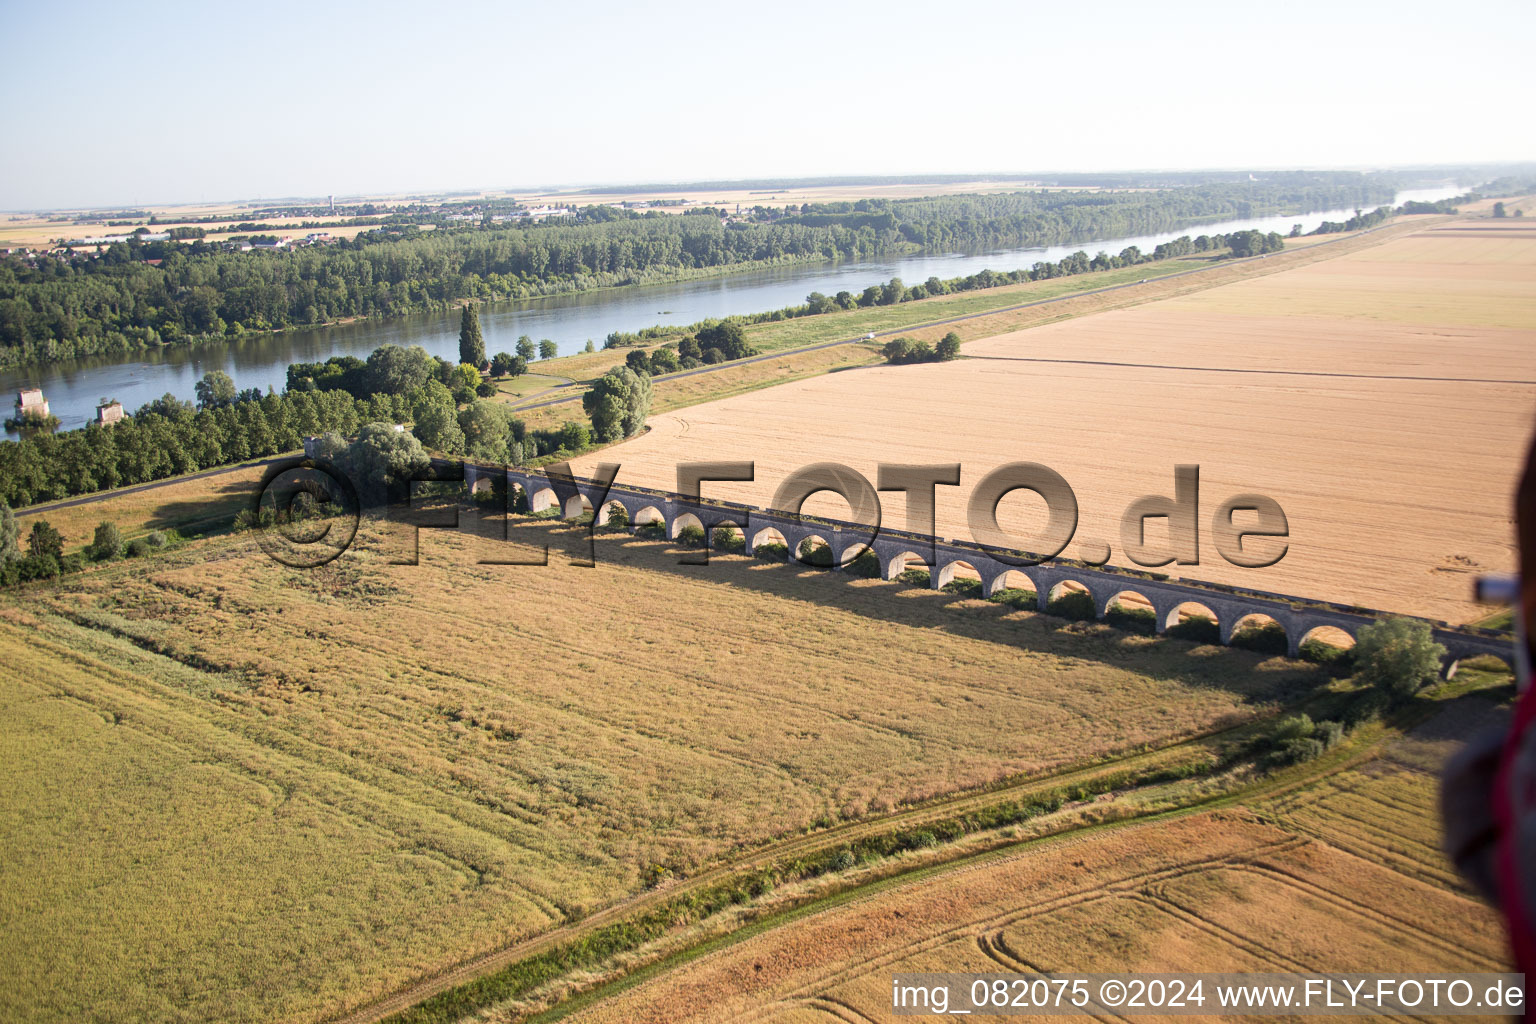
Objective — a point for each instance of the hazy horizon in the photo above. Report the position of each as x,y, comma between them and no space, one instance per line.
184,104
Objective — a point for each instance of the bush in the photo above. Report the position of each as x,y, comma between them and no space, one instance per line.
1340,659
157,539
618,516
1017,597
1073,604
866,564
1268,638
654,530
1294,752
1200,629
690,537
726,539
137,548
814,552
771,552
965,588
915,577
1132,620
1397,656
842,860
108,543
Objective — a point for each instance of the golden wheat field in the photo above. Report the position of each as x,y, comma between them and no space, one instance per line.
1383,397
240,791
1342,875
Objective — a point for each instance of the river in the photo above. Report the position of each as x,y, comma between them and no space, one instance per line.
74,388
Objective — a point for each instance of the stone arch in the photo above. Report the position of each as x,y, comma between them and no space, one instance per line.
948,572
853,550
738,536
1131,610
1012,579
648,518
1256,631
767,535
1327,634
1193,620
682,520
897,564
610,508
541,497
575,506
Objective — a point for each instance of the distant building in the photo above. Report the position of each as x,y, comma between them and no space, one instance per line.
108,413
30,404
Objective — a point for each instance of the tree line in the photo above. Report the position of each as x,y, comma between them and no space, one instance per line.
117,302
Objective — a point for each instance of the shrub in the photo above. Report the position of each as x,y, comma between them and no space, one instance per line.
866,564
1132,620
1340,659
618,516
771,552
137,548
814,552
1397,656
1073,604
108,543
914,577
1294,751
690,537
654,529
724,538
842,860
157,539
1017,597
966,588
1266,638
1200,629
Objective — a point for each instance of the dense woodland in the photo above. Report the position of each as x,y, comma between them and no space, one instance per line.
117,302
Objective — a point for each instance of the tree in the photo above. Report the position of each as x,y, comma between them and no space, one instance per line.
526,348
10,534
463,382
728,337
548,349
487,430
108,543
638,361
618,404
382,456
392,370
948,347
689,348
816,303
1499,211
1397,656
897,350
664,360
471,344
215,390
44,540
590,347
501,364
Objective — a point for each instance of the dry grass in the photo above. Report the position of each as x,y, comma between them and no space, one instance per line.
173,506
1220,891
1396,489
296,791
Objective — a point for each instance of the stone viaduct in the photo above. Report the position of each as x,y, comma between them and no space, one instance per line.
1230,607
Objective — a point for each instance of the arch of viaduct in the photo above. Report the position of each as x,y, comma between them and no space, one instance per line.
895,549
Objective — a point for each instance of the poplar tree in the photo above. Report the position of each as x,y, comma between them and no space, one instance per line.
471,344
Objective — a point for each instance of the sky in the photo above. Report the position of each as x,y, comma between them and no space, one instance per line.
125,103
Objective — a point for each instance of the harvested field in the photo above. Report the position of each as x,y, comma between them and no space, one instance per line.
245,792
1389,432
1220,891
